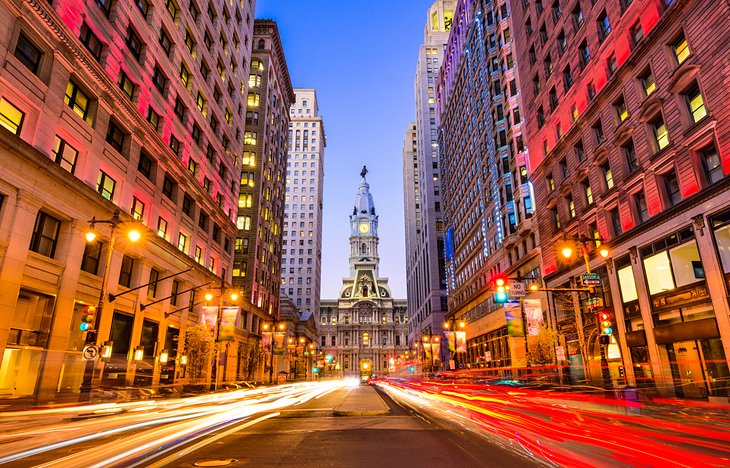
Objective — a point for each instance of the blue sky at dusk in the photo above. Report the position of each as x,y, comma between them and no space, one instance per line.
361,59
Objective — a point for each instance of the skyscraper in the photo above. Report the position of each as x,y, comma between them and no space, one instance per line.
425,279
126,112
629,141
261,200
364,329
486,195
301,264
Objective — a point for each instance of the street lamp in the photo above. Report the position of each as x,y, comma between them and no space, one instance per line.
134,235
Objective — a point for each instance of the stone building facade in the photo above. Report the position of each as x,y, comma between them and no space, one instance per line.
365,329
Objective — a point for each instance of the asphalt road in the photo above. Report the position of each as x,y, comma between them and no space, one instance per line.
311,435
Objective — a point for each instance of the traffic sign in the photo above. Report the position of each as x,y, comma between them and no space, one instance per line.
591,279
90,352
517,289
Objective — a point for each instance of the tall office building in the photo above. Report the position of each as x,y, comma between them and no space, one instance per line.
630,140
261,200
425,279
115,105
364,330
485,191
301,263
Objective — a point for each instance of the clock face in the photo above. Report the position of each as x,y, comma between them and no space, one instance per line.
364,228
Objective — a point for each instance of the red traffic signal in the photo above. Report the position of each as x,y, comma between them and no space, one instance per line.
88,316
604,319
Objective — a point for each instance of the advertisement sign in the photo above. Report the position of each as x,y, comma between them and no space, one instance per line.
533,314
266,342
427,351
279,343
227,331
560,353
208,316
513,315
460,341
436,348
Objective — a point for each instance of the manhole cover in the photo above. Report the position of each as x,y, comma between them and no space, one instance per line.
218,462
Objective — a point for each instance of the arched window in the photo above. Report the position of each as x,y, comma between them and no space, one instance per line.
261,44
366,339
363,248
257,64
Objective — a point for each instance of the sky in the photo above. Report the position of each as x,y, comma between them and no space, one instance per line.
361,57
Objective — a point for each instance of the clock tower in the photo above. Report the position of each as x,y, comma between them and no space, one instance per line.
364,229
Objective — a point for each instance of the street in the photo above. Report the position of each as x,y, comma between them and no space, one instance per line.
394,422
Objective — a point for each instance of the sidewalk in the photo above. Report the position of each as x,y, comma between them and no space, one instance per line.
362,400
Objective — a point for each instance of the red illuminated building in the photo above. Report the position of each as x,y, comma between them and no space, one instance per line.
629,140
105,105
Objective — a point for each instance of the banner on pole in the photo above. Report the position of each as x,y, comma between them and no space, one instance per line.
427,351
266,342
460,341
513,314
450,341
227,330
208,316
279,343
436,348
533,314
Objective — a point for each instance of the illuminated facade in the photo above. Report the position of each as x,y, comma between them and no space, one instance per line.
486,194
364,328
261,200
301,263
426,283
115,105
629,141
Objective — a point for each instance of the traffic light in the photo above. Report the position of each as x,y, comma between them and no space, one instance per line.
88,314
605,321
500,287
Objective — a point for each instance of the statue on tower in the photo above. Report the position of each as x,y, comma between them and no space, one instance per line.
364,172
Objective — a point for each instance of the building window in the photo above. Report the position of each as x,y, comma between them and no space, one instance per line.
571,206
585,53
64,154
673,268
695,103
550,183
630,154
153,118
78,101
175,145
680,48
174,292
187,206
598,132
647,82
168,188
636,34
125,273
612,65
622,111
165,42
137,209
134,43
198,254
172,8
145,165
591,90
182,243
91,42
579,151
588,192
105,185
152,287
711,164
11,117
615,219
577,17
556,220
106,6
91,258
115,136
604,26
243,223
660,133
45,235
125,84
179,109
249,138
641,209
253,99
159,80
671,186
607,175
27,53
162,227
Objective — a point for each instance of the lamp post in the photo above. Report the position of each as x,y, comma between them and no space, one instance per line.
219,315
451,324
281,326
567,252
92,335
